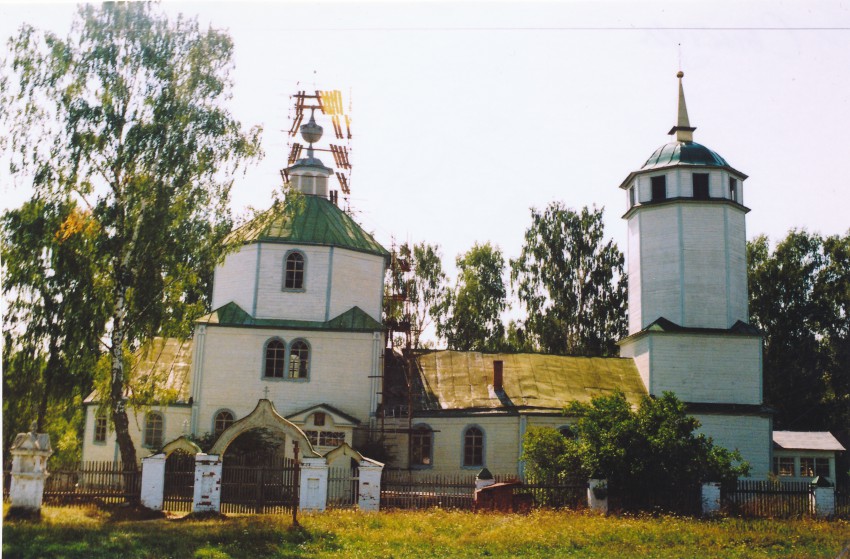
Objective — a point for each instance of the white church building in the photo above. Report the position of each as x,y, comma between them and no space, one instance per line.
297,324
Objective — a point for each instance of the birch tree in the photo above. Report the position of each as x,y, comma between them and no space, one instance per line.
126,115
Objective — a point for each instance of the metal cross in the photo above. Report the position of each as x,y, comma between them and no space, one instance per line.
266,393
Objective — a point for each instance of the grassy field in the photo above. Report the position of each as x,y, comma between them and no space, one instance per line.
93,534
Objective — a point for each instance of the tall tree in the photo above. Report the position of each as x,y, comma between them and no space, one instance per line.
126,114
799,298
417,274
572,283
53,286
470,319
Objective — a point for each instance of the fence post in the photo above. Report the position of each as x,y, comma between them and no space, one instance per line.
823,493
484,479
207,497
710,498
597,495
30,452
369,492
313,484
153,481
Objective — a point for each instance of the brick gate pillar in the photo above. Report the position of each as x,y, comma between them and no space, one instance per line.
369,493
30,452
207,483
313,494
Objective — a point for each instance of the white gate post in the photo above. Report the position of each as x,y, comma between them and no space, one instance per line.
710,498
369,493
207,496
30,452
597,495
823,493
313,485
153,481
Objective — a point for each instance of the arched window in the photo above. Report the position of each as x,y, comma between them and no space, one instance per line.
222,421
275,359
421,446
473,447
153,430
299,360
294,276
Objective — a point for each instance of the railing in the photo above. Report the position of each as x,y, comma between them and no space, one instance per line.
93,483
407,490
343,487
768,499
269,487
842,503
179,483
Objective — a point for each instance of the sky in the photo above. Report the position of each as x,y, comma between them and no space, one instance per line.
466,115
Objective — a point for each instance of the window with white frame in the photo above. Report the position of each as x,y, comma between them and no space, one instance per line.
294,273
783,466
811,467
299,360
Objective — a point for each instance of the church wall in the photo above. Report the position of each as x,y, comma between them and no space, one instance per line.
635,284
303,304
738,298
175,420
750,434
707,368
705,266
234,279
340,367
638,350
357,280
660,262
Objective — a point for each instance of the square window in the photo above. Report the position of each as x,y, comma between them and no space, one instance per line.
783,466
319,419
700,186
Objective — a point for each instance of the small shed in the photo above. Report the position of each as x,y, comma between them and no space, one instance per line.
805,455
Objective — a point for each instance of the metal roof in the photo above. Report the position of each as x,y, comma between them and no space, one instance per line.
464,380
684,153
805,440
354,319
307,220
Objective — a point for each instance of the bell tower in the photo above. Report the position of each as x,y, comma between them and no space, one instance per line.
689,329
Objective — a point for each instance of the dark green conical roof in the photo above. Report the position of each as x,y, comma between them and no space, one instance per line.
308,220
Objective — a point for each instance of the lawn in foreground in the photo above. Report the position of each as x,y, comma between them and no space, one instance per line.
89,533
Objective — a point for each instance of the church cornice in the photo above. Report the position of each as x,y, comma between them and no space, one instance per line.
687,200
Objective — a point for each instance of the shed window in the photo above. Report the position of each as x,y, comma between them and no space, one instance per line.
294,271
223,420
473,447
700,186
275,359
659,188
299,360
100,428
421,446
783,466
153,430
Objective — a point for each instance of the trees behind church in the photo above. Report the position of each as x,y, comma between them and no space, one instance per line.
125,119
800,299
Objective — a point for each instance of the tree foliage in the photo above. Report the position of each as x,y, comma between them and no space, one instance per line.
126,116
470,316
654,446
800,299
572,283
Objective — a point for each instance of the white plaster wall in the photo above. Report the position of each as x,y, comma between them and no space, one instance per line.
749,434
306,304
340,366
635,283
358,280
638,350
706,368
174,418
659,260
705,270
234,278
501,443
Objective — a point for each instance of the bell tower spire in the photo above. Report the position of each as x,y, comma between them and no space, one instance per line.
683,129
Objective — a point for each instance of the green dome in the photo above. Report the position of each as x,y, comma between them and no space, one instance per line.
684,153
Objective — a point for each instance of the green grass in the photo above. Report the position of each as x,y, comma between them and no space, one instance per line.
90,534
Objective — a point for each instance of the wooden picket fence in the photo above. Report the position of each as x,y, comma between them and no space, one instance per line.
557,492
768,499
343,487
179,484
842,503
270,487
407,490
102,483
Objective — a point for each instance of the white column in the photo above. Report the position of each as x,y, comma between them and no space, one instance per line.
153,481
824,502
369,495
597,495
30,452
313,494
207,496
710,498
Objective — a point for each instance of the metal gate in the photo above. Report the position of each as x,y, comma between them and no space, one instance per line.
269,487
179,489
343,487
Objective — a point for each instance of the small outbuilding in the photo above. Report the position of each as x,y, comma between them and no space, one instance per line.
804,455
